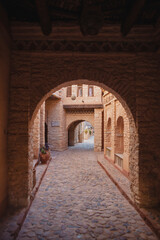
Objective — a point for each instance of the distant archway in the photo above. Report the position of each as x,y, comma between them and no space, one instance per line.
71,131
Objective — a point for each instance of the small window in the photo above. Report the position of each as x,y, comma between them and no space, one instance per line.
79,91
69,91
90,91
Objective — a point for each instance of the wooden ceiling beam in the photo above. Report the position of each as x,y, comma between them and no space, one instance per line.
44,18
64,13
92,17
131,16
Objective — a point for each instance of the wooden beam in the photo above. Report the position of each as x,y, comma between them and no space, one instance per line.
44,18
131,16
92,17
64,13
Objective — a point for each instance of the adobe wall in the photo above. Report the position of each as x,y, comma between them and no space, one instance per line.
56,121
113,110
85,99
120,112
79,133
36,135
132,76
109,113
98,130
42,124
76,115
72,132
147,77
4,84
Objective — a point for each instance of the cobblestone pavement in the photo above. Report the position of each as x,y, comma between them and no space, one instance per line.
77,200
152,214
122,180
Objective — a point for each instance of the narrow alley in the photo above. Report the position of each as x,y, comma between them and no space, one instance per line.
77,200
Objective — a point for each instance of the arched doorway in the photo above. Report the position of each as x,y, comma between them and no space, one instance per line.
71,132
133,142
83,133
119,142
119,136
133,158
58,79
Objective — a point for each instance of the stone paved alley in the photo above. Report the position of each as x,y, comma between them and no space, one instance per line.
77,200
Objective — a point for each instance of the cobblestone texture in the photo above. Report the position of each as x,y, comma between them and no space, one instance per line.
122,180
77,200
152,214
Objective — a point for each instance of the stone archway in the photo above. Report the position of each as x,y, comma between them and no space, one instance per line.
134,141
71,132
72,126
38,74
76,119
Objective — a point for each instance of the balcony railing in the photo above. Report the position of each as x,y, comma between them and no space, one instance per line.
108,152
119,159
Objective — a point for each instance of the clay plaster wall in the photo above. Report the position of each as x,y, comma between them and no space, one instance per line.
56,121
84,99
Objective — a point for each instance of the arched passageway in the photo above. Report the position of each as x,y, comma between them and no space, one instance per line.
71,132
133,154
119,142
108,73
77,135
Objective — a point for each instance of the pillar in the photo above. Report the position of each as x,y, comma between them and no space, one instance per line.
36,135
98,130
71,137
19,162
42,124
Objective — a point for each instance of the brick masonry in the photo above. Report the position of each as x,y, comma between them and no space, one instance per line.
57,133
113,111
132,77
42,124
36,135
